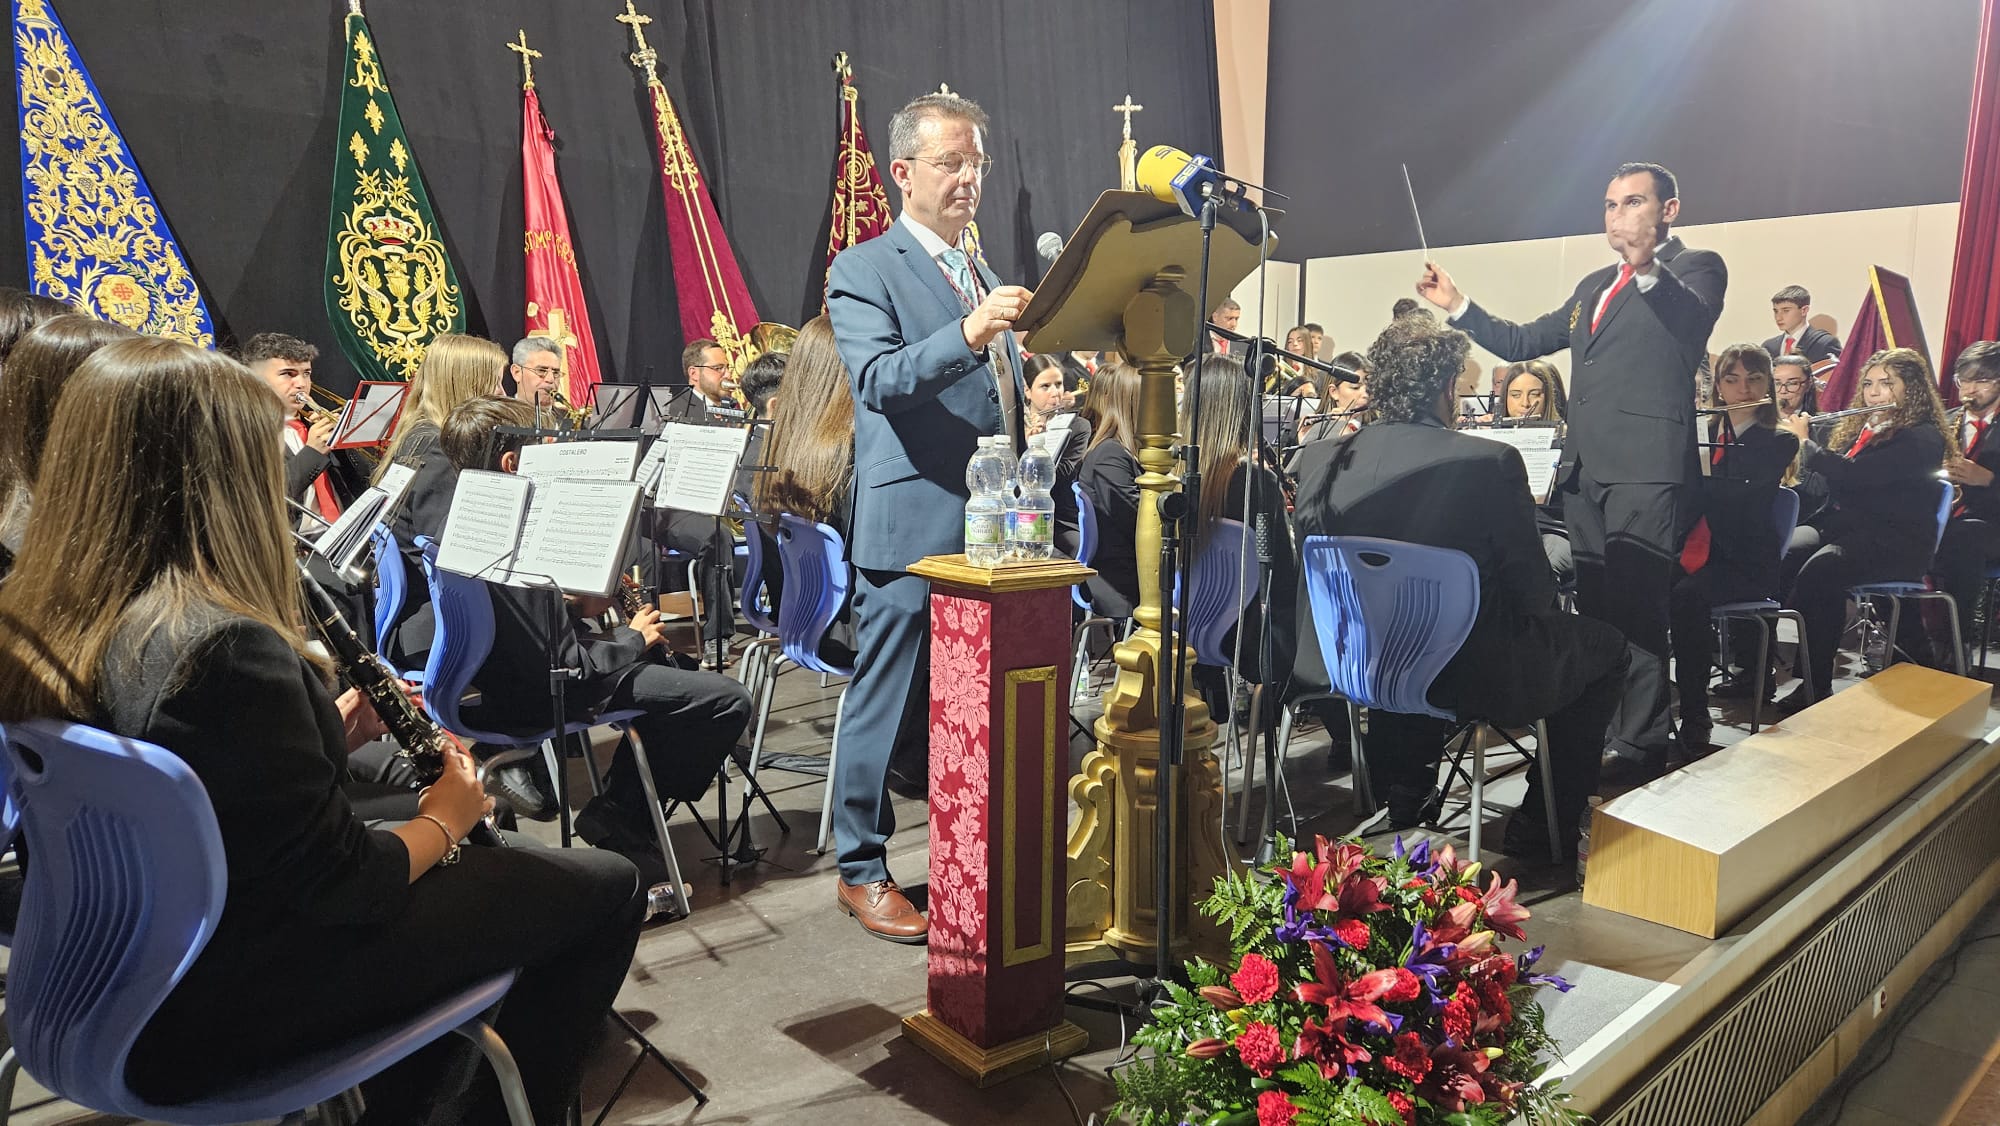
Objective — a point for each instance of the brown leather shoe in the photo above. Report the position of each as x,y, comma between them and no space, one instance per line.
881,908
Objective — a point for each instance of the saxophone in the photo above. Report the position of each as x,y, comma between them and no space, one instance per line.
421,741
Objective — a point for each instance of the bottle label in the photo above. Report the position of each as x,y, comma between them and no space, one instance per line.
983,528
1030,527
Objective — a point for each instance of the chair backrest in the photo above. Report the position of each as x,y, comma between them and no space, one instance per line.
816,586
1220,593
1389,616
126,887
1086,541
1785,514
754,563
1943,514
464,613
392,582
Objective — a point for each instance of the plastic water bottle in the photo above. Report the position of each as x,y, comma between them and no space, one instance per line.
1583,839
985,507
1031,518
661,900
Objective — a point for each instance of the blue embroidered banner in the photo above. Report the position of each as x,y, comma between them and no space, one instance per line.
96,238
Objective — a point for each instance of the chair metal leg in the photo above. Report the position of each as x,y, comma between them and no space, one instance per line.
1250,776
832,762
1477,828
1757,685
1364,785
1799,626
1895,626
10,1070
659,817
766,683
1957,640
1548,789
509,1073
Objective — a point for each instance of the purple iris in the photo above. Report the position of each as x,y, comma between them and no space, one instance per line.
1526,962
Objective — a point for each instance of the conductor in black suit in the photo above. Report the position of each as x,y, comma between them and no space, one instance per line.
1637,332
1409,477
1790,307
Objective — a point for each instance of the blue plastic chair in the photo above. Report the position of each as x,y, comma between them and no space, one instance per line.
392,590
10,814
1389,617
126,889
1919,590
760,652
1086,550
817,583
1785,515
464,612
1220,595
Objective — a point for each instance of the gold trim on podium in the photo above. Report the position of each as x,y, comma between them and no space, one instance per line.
987,1066
1012,953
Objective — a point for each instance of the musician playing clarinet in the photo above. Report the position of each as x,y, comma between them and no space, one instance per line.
1636,332
1732,553
1881,469
1971,544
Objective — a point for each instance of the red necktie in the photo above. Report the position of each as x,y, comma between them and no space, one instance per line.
1978,433
329,508
1859,441
1787,349
1624,275
1694,551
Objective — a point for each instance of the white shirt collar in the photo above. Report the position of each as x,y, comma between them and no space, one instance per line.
926,238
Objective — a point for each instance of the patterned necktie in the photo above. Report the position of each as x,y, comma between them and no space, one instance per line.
1624,275
966,282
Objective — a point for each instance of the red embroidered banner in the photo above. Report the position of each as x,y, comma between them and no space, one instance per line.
860,205
555,307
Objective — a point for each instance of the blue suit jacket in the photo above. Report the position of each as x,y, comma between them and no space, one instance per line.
922,399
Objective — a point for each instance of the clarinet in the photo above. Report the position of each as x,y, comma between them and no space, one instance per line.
419,739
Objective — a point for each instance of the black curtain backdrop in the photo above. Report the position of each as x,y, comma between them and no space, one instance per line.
230,107
1512,115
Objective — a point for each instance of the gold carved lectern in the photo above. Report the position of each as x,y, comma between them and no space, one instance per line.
1127,279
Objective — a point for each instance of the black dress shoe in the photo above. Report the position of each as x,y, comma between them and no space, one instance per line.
1739,686
1621,772
603,823
517,785
1696,740
1798,700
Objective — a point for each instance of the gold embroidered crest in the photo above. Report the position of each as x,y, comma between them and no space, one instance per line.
394,282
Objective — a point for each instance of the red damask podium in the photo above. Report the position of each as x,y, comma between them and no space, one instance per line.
999,772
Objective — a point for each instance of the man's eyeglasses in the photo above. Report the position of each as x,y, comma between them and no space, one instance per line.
954,163
1982,377
543,372
711,367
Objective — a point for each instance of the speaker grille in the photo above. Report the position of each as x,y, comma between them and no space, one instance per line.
1752,1045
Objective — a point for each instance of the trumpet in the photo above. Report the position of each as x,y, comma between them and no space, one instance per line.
308,413
574,414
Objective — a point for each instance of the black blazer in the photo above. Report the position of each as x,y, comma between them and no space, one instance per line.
425,506
1109,475
1421,483
1814,344
1886,495
1632,381
513,684
1736,498
1069,463
1984,503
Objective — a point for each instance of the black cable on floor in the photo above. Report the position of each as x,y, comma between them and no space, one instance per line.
1926,989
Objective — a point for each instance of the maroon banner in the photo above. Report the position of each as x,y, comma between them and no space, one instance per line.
555,306
1974,310
709,285
860,205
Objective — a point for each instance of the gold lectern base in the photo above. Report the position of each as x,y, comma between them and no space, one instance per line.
988,1066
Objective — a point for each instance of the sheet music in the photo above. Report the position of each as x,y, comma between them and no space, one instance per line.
700,469
1538,449
648,474
394,483
342,543
370,416
570,461
584,551
483,529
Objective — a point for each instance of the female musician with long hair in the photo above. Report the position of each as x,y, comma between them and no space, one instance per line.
1880,523
1733,554
1052,382
158,598
1109,475
1533,390
39,365
455,369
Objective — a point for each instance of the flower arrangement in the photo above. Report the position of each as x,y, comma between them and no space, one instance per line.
1364,989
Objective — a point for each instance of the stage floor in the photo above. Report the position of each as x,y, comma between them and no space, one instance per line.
787,1012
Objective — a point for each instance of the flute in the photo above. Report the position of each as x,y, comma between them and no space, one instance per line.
1739,406
1848,413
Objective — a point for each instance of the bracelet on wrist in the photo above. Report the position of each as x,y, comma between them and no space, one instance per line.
450,842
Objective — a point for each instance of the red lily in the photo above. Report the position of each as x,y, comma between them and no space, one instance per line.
1346,999
1455,925
1325,1045
1502,912
1458,1077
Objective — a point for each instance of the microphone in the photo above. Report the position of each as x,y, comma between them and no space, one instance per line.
1050,247
1173,176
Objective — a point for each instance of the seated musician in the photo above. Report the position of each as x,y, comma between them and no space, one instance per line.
1109,475
455,369
537,372
1052,382
285,364
1407,476
1343,408
1732,556
710,392
1792,386
692,718
330,927
1881,471
38,368
1534,390
1971,545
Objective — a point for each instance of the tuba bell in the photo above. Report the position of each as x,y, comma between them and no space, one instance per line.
764,338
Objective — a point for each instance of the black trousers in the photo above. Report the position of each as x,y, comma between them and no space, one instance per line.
1826,568
1970,546
693,720
1585,679
1694,595
710,544
569,918
1623,541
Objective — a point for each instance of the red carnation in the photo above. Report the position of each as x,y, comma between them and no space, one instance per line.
1403,1106
1260,1048
1470,895
1412,1060
1493,998
1256,980
1407,988
1458,1014
1353,933
1274,1109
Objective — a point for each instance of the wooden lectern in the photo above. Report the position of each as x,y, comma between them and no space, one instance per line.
1127,280
999,747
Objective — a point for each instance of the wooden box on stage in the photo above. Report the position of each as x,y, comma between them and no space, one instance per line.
1706,845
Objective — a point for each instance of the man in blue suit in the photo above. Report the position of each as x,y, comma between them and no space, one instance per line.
924,332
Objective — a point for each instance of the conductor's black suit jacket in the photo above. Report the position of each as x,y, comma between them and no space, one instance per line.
1632,381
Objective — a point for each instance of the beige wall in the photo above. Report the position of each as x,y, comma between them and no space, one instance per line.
1828,254
1242,58
1273,307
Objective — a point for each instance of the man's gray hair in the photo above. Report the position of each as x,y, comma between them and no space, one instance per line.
904,139
529,345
